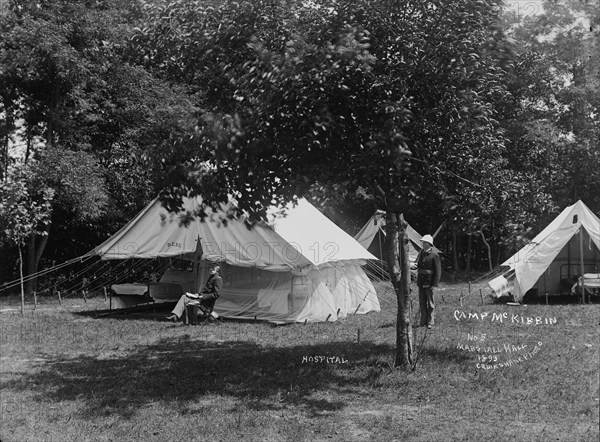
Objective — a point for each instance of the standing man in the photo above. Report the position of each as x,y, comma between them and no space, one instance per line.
208,295
428,276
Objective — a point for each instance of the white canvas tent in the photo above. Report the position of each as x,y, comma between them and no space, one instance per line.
300,267
372,237
556,258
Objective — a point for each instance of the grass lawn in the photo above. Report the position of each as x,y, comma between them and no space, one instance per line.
68,376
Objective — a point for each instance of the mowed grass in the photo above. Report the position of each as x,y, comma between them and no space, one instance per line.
67,376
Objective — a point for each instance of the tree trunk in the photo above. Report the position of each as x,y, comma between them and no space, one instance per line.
468,257
399,269
7,129
28,143
37,245
489,250
53,116
500,253
454,251
22,286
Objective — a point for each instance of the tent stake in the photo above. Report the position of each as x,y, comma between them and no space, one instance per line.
358,337
328,316
59,299
105,295
460,299
481,296
357,308
34,300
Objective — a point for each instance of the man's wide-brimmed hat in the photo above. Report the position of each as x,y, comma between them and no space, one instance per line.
428,238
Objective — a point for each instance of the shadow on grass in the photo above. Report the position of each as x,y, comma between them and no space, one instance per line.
182,375
148,312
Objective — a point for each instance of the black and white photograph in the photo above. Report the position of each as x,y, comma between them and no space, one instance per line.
299,220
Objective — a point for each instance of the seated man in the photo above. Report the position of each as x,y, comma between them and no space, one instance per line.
208,295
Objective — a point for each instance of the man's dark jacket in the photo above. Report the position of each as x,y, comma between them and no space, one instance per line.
213,287
429,269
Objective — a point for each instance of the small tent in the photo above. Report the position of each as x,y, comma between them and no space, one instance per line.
296,268
556,258
372,237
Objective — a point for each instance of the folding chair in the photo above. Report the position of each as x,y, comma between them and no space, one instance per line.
200,314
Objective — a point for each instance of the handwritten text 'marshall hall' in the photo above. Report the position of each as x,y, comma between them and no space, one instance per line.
503,317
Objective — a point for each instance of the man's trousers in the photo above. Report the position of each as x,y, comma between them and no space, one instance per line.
427,306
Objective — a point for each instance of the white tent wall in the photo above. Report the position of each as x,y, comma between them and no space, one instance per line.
566,266
352,289
324,293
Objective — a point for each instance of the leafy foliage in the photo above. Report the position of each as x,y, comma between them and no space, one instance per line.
302,88
89,121
23,211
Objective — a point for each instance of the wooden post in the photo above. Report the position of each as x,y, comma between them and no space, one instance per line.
546,298
105,295
59,298
292,294
469,288
481,296
438,230
460,299
581,262
358,335
34,300
380,245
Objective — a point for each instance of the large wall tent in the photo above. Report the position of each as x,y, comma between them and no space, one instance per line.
295,268
372,237
554,261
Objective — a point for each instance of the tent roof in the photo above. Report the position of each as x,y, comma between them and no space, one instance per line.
563,226
303,238
316,236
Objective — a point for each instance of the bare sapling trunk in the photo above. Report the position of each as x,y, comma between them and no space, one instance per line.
22,285
399,269
454,252
468,257
489,250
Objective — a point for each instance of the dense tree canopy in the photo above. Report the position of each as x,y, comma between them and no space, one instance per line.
86,118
